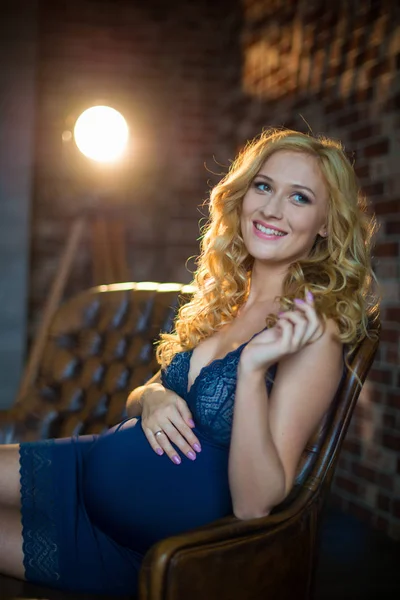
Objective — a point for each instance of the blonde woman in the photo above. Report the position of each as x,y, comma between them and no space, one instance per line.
282,296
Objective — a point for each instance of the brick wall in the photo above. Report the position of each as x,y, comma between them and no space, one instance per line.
334,68
160,63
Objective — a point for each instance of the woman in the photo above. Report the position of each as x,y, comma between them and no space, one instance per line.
221,428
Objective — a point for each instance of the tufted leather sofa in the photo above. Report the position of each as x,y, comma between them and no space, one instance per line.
99,347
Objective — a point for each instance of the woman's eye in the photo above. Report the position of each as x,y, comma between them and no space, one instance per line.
262,186
301,198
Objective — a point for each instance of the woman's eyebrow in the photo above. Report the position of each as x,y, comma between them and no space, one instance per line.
293,185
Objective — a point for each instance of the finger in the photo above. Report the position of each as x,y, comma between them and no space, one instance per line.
185,412
286,328
153,441
165,445
308,309
314,320
300,325
179,422
175,436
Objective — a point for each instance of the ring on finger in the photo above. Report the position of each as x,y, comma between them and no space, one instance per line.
158,432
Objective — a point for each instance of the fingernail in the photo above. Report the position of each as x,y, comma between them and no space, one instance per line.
309,296
280,314
298,301
176,459
191,423
197,447
159,451
191,455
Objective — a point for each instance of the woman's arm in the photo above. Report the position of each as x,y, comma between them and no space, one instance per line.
135,399
270,433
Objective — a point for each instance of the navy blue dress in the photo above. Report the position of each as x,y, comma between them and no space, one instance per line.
93,505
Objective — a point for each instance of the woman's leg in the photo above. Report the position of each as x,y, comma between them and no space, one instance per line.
11,555
9,477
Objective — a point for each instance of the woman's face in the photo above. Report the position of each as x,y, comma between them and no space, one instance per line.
288,196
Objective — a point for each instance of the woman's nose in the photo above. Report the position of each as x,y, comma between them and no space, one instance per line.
272,207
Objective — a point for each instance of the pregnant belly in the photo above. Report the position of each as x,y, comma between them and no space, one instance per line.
137,497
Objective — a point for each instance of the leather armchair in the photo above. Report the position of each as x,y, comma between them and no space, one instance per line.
99,347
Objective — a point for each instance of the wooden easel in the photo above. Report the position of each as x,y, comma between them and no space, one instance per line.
110,265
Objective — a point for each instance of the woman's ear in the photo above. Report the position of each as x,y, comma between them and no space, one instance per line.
323,232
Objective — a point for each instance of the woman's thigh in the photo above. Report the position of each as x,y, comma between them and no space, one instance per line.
9,476
11,555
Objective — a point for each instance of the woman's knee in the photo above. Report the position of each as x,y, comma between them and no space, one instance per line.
11,554
9,476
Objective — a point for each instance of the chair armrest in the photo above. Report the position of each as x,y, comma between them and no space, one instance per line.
229,558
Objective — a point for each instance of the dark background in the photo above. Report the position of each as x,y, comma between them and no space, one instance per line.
195,80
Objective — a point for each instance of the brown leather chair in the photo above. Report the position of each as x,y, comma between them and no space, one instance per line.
98,348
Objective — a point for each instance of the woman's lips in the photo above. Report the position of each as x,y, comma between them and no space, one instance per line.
265,236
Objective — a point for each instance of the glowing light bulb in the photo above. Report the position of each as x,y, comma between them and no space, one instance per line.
101,133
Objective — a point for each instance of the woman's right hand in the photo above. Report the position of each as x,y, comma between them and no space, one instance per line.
165,411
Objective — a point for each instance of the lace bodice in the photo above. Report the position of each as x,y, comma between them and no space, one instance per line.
212,395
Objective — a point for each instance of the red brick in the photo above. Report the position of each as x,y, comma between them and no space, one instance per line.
392,356
381,375
334,106
393,399
347,484
392,227
391,440
380,148
390,335
349,119
393,313
387,207
374,189
362,133
362,171
387,249
352,446
364,472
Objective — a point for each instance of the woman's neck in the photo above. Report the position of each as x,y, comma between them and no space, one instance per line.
266,284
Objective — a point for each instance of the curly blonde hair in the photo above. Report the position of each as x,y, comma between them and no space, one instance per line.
337,271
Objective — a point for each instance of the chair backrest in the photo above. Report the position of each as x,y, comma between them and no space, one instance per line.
99,347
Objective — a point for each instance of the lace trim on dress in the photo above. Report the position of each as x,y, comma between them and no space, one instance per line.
39,533
212,395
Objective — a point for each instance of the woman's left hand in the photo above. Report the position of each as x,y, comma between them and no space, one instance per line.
293,330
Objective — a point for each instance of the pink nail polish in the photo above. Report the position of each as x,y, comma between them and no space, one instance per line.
309,296
191,423
197,447
298,301
159,451
191,455
176,459
280,314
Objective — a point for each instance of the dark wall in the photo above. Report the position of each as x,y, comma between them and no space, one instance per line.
162,65
17,102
